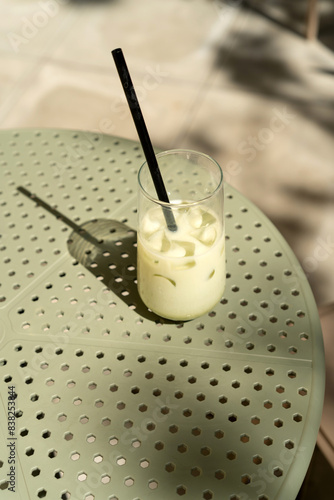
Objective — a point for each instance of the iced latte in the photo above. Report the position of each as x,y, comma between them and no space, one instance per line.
181,273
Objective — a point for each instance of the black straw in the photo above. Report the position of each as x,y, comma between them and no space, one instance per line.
144,137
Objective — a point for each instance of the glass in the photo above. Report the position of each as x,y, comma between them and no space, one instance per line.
181,274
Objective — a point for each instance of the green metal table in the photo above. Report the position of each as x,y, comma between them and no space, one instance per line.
100,398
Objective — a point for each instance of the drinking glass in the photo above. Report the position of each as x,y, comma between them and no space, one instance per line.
181,273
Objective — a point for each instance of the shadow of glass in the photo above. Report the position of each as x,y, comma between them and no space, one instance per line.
108,249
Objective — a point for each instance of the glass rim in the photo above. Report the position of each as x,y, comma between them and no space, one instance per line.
182,151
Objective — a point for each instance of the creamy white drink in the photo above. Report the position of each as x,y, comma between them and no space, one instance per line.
181,274
180,242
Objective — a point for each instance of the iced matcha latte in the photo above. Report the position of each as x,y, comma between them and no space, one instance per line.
181,273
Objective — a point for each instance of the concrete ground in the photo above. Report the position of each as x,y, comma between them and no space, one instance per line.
237,81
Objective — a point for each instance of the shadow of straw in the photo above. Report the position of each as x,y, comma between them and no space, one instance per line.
108,249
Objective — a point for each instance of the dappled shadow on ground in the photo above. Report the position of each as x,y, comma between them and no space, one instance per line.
92,2
287,14
293,16
267,64
326,30
257,63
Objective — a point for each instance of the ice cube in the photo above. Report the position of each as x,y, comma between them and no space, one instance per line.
195,218
149,226
155,240
207,236
165,243
208,219
187,246
176,250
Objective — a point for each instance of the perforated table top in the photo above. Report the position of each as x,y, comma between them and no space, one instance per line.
113,402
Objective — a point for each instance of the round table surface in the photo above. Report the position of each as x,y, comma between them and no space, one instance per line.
112,402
